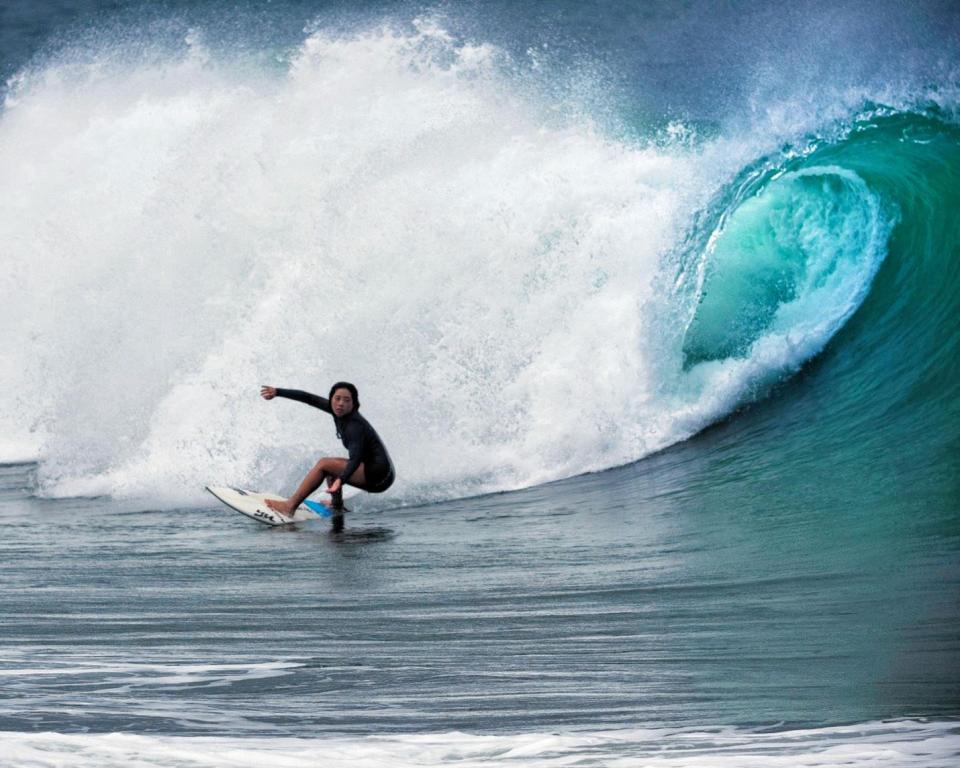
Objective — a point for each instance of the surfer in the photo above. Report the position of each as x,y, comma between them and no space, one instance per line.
368,466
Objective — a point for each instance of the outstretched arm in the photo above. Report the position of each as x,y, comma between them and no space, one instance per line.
268,393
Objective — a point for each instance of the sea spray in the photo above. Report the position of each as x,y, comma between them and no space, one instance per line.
391,208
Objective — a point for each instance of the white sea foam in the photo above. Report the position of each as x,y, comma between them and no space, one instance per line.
899,744
110,674
389,210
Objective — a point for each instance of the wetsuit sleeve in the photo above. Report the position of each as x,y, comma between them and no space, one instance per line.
353,437
305,397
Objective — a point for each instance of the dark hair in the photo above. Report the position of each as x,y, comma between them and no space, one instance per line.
350,388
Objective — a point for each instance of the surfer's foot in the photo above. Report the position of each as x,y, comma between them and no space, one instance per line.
283,507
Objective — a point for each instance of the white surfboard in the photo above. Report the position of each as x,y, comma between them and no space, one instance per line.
253,504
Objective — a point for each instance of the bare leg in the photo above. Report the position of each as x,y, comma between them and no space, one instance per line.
358,478
327,468
321,470
336,497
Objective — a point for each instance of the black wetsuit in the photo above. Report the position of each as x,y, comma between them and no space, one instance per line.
359,438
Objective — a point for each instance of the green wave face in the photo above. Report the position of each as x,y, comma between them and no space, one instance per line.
858,234
855,246
906,334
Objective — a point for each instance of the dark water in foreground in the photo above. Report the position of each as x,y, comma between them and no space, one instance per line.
635,595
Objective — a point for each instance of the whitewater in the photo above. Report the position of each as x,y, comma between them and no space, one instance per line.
216,230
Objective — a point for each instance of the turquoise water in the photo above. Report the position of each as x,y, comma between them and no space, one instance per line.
655,306
868,400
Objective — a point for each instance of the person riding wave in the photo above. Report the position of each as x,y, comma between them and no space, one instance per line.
368,466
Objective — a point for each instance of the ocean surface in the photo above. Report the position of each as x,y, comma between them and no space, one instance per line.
655,304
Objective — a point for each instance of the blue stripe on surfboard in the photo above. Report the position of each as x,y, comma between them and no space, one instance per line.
317,507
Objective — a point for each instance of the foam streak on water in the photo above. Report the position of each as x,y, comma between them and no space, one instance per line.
900,744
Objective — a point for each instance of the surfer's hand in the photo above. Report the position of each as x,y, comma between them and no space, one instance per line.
335,486
268,393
